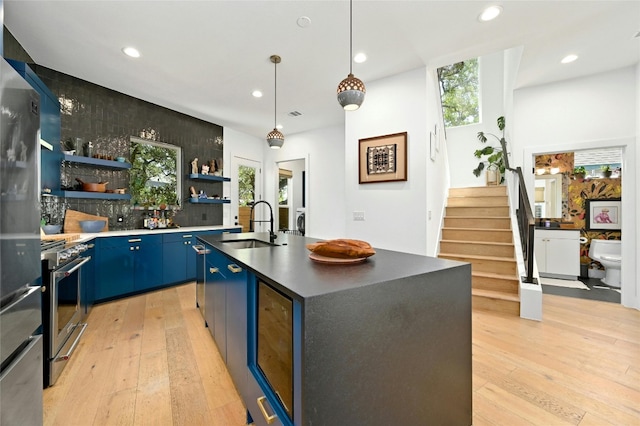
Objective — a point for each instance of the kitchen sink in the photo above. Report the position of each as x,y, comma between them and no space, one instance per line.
245,244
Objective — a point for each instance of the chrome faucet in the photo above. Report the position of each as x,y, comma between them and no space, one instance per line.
272,235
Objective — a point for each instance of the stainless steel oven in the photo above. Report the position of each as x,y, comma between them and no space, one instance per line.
62,266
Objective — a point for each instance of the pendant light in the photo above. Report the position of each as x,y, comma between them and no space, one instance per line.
275,138
351,90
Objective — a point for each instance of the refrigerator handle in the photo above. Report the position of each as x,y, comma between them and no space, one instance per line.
28,291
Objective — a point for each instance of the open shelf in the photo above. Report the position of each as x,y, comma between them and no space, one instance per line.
93,195
208,201
96,161
198,176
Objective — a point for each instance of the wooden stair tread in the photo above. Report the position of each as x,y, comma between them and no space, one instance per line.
475,256
476,242
490,294
495,276
452,228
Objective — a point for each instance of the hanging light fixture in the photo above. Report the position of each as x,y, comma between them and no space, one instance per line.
351,90
275,138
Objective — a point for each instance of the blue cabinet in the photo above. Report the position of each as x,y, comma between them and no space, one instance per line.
128,264
178,256
49,126
226,313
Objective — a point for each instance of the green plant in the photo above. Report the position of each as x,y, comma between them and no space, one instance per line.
605,168
494,155
579,170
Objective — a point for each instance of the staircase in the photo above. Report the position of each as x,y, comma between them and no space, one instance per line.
477,230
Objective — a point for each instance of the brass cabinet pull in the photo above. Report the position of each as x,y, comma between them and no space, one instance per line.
234,268
269,419
213,270
187,236
135,240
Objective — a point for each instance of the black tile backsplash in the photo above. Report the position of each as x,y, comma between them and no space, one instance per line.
108,119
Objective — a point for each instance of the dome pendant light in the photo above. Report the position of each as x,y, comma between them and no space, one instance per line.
351,90
275,138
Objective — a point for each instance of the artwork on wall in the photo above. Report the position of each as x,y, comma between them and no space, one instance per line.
604,214
383,158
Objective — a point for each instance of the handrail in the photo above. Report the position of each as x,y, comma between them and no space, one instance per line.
525,218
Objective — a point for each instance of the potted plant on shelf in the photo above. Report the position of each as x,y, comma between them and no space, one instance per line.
606,171
494,161
579,172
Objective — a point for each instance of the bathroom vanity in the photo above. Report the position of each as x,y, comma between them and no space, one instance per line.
558,253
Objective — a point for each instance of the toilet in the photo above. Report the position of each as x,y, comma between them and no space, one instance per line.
609,254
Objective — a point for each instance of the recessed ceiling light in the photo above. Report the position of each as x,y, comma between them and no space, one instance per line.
359,58
303,21
490,13
131,51
568,59
256,94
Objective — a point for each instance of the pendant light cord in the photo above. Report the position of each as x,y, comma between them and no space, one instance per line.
350,36
275,92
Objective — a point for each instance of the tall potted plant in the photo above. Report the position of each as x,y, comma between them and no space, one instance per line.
494,161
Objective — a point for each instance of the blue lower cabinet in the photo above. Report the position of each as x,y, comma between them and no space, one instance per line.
127,265
226,312
114,268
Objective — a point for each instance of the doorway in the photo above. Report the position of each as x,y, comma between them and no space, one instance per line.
246,188
292,195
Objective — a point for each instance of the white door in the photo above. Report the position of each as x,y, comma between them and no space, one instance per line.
246,188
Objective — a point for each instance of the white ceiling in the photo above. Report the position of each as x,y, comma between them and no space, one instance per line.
204,58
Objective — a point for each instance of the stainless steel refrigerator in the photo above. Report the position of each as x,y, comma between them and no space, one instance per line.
20,266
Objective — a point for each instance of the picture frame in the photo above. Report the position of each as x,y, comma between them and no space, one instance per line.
603,214
383,158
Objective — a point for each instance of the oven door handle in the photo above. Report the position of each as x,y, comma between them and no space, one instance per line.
66,356
71,268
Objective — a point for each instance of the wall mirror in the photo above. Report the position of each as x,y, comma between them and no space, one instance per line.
548,196
154,178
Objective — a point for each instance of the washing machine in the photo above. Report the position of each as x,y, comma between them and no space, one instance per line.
300,211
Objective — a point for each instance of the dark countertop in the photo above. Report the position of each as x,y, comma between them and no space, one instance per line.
290,266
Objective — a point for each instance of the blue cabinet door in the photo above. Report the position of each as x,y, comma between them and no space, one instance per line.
148,262
215,299
114,268
174,259
236,313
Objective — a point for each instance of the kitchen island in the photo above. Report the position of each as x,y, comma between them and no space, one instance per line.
385,341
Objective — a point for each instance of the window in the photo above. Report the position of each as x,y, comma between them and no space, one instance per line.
155,170
459,93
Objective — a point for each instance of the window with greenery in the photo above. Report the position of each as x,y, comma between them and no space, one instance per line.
459,93
155,171
246,185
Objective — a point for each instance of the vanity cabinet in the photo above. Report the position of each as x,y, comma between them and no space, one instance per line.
558,253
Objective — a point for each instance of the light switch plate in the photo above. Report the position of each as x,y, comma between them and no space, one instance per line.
358,215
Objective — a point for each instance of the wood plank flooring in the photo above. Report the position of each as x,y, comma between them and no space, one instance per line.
149,360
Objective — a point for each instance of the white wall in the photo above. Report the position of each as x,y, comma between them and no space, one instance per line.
584,113
323,152
395,212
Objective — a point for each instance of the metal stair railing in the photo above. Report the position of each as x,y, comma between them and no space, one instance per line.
525,219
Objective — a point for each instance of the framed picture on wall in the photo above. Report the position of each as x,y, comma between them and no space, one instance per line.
604,215
383,158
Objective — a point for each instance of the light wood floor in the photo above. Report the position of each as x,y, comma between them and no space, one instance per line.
149,360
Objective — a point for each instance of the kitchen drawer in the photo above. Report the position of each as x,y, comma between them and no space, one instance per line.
175,237
120,241
256,402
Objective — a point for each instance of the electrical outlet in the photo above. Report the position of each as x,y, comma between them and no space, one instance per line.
358,215
204,216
